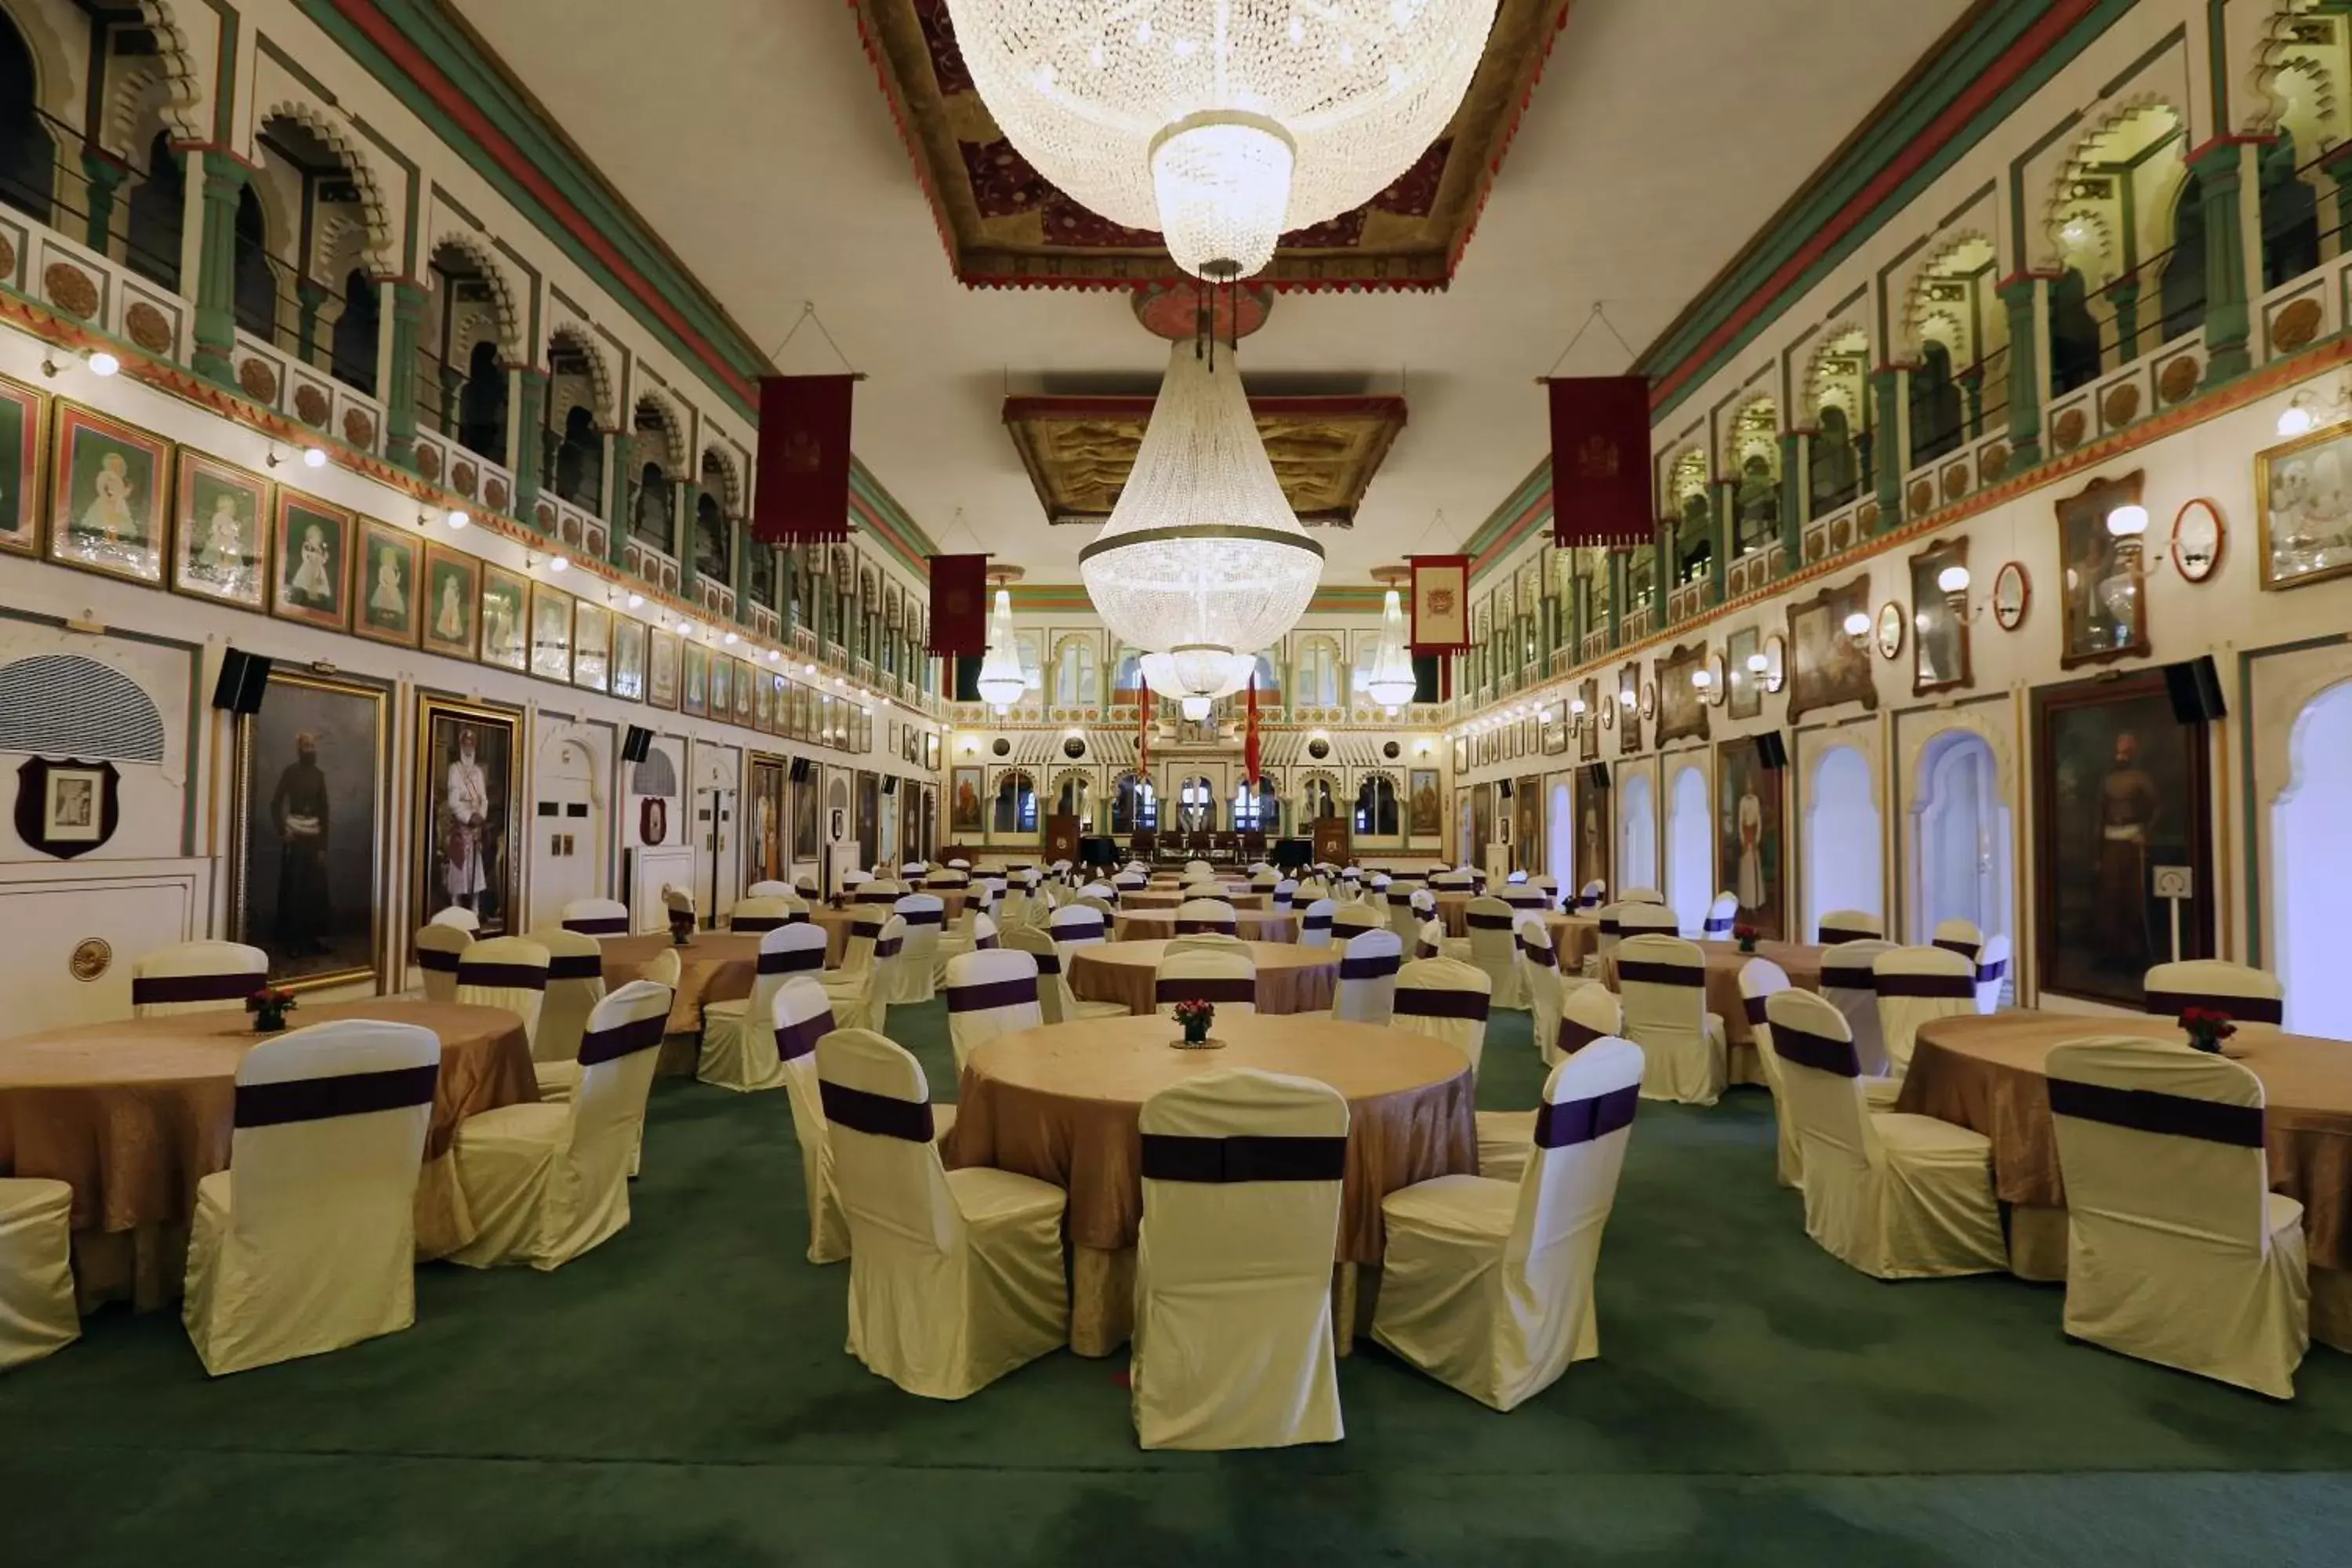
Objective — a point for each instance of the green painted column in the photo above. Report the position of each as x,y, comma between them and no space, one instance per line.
1664,538
1579,615
739,573
615,500
103,177
2125,297
399,381
453,392
682,495
1724,496
2336,198
222,180
1892,447
531,440
1617,599
2022,296
2220,174
1796,488
309,295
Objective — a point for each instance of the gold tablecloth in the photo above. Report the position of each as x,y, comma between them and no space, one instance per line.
1574,938
133,1114
1290,978
1241,897
1155,925
715,966
1061,1104
1801,960
836,924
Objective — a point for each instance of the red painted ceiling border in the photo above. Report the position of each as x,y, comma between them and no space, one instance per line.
381,31
2035,42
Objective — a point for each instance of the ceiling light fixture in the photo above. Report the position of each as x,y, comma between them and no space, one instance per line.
1392,683
999,681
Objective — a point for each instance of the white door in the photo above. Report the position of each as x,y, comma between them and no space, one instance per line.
567,825
1560,860
1961,843
1637,835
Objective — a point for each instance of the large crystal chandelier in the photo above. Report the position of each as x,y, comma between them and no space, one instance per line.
1001,681
1389,682
1221,124
1202,559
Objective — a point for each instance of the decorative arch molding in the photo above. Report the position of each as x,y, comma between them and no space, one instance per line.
2277,51
184,87
718,455
336,134
671,421
1734,438
2076,164
581,341
1084,777
1672,497
503,311
1916,307
132,95
1810,394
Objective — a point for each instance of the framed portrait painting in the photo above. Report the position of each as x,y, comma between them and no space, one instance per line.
1629,710
2300,506
2121,791
744,678
1588,742
468,814
550,633
763,701
629,657
1682,711
388,606
1424,807
661,667
24,431
592,645
220,534
693,679
1749,853
964,801
1827,664
107,485
1940,656
311,543
453,599
313,785
931,752
1743,688
804,812
506,617
2102,594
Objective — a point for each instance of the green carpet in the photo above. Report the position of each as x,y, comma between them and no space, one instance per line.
681,1395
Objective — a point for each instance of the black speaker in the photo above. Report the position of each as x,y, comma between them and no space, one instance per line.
2195,688
891,785
801,770
1596,776
1771,751
637,744
244,676
1505,785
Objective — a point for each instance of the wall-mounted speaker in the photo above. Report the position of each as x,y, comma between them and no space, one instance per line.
2195,687
803,769
1596,776
1773,751
244,676
637,744
1505,786
890,786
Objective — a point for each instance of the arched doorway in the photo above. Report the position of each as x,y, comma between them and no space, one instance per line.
2311,843
1961,838
1196,805
1559,849
1637,835
1844,869
1690,848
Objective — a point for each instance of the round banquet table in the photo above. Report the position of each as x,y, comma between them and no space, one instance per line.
1575,938
1252,925
836,924
715,966
1061,1104
133,1114
1290,978
1238,894
1987,1074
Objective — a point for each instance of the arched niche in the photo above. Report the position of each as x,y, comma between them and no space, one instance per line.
1921,746
2311,867
1637,826
1689,839
1844,863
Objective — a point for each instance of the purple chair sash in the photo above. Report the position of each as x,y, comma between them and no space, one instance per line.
1754,1007
1967,950
1831,935
1950,987
510,976
622,1039
1427,1002
755,925
1012,993
887,947
1168,1157
347,1094
1378,966
152,989
1691,976
1718,928
794,1041
1541,956
599,925
1566,1123
1170,988
923,917
1048,962
985,945
439,960
1424,950
1574,1037
864,896
1611,926
792,961
1201,927
1819,1052
1486,922
2147,1110
2242,1009
1315,923
1079,930
1850,976
576,966
1996,970
878,1114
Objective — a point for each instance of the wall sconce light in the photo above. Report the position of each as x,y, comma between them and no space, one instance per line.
1857,626
457,518
2310,408
98,361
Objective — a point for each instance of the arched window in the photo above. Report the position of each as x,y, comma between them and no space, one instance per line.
1318,673
1934,404
1074,797
1196,805
2311,842
158,209
652,516
1315,801
2182,290
1690,848
1016,804
1073,675
1960,849
28,158
1376,806
2290,216
1835,475
482,405
760,576
579,460
1842,843
256,282
1133,806
712,558
351,344
2075,332
1257,810
1637,833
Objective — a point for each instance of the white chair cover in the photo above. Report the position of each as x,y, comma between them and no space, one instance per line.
438,947
1286,892
1369,965
2177,1250
1849,925
1350,922
1587,1012
1493,949
990,993
37,1312
769,888
546,1182
1663,981
1526,898
955,1276
1916,986
575,984
800,1017
1641,895
889,967
307,1242
1646,920
925,917
756,917
508,971
2248,995
610,917
1199,871
1447,999
739,1041
1223,976
1894,1196
458,916
1759,980
1960,936
663,969
1405,911
1721,916
1315,923
1429,941
1488,1285
1850,983
1195,915
1589,896
1992,974
197,977
1234,1344
1539,980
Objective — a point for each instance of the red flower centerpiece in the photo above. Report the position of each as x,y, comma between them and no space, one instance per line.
270,1007
1745,935
1195,1018
2206,1027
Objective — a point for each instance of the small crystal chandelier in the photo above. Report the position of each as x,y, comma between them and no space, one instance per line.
1221,124
1161,673
1201,558
1390,682
1000,682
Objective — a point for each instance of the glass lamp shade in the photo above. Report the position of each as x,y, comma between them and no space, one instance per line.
2128,521
1001,681
1953,579
1391,683
1201,556
1196,708
1222,186
1223,676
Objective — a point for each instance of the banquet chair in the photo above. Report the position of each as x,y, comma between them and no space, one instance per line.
888,972
665,968
853,988
1992,974
954,877
739,1042
1225,977
960,935
1959,936
1102,906
757,917
1661,980
852,880
1589,896
437,949
1429,941
1486,1284
509,973
1759,980
604,917
1611,932
985,936
1850,983
1040,949
197,977
1721,916
1081,928
1285,893
1526,899
1311,889
38,1311
1130,882
769,888
990,993
575,984
1195,915
1889,1193
546,1182
1549,885
955,1276
1849,925
1540,980
2177,1251
677,904
1494,950
1406,911
1234,1345
1916,986
800,1016
1587,1012
1350,922
1447,1000
458,916
1315,925
307,1242
1515,877
2248,995
1262,878
1366,992
1641,895
911,873
918,964
1451,881
805,887
1639,920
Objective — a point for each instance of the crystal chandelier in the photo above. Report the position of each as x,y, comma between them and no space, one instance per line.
1201,558
1390,682
1160,674
1000,682
1221,124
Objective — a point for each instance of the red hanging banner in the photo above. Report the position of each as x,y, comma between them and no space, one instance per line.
1143,739
1441,602
960,604
1600,462
803,484
1249,741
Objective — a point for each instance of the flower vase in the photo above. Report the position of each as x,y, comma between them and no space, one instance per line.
268,1020
1747,944
1197,1034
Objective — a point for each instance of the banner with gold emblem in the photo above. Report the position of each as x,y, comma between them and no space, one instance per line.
1600,462
1441,602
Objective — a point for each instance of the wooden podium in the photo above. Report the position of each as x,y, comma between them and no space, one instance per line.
1333,839
1060,839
